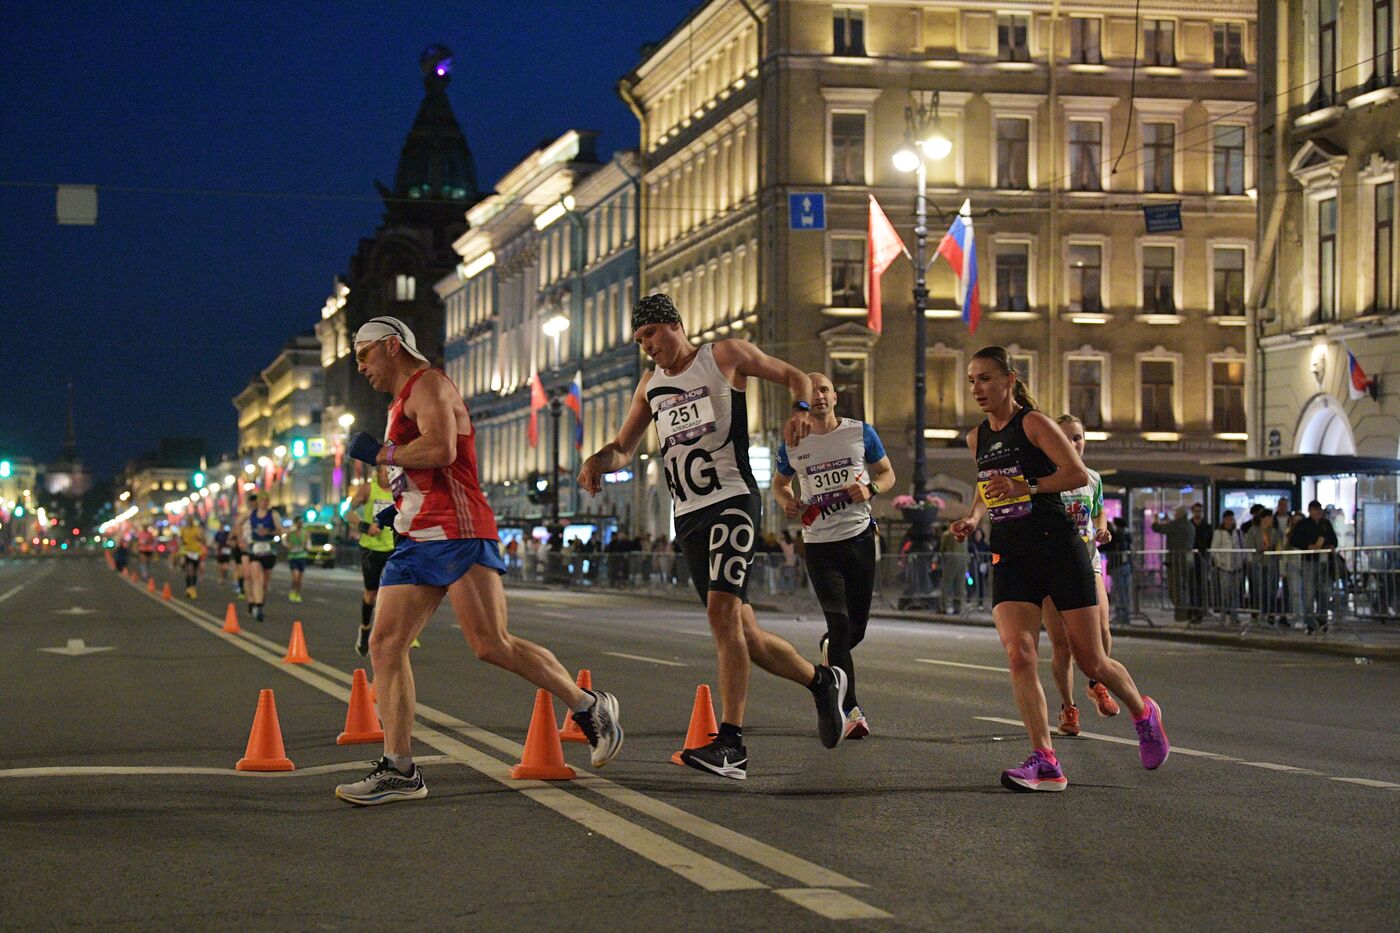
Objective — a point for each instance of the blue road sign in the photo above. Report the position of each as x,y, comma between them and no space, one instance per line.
807,211
1162,218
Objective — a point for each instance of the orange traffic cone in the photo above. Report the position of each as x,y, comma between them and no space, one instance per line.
544,756
702,723
231,621
165,593
570,732
361,721
265,751
150,584
296,648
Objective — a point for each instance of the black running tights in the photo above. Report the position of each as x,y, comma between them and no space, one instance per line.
843,576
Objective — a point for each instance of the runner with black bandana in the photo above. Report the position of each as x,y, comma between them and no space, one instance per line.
696,398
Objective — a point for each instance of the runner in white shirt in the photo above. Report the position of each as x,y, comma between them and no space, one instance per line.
696,398
1085,508
839,468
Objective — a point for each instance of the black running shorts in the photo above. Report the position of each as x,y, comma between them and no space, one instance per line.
372,566
718,543
1060,570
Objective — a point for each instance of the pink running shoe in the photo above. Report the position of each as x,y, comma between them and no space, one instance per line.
856,726
1036,773
1153,747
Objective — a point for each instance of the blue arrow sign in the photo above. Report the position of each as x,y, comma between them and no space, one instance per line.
807,211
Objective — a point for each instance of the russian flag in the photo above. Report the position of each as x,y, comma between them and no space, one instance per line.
1358,385
958,248
574,402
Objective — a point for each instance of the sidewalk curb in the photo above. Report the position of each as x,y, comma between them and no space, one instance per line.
1305,644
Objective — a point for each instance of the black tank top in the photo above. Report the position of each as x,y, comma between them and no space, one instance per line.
1020,524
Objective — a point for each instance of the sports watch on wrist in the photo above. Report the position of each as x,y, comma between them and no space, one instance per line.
801,405
1033,485
873,488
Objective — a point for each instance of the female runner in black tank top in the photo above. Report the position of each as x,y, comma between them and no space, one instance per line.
1024,463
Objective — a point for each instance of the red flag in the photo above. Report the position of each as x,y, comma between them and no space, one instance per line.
538,400
883,245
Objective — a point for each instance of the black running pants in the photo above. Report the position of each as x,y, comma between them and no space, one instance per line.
843,577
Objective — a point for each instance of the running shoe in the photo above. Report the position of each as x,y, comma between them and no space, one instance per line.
190,593
822,647
1103,700
362,642
385,784
293,597
1036,773
601,726
1069,720
722,757
830,694
856,726
1153,747
258,612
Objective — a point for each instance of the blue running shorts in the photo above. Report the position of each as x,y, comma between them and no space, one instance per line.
439,563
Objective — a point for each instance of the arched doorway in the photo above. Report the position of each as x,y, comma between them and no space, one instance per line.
1324,428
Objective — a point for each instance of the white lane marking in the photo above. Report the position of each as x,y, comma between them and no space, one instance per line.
77,648
13,590
642,657
775,859
833,905
1178,750
118,770
74,611
1367,782
974,667
557,615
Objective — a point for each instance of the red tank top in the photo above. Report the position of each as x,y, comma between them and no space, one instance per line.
443,503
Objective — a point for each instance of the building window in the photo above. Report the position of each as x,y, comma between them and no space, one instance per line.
1013,274
944,385
1229,45
848,148
1228,156
1227,396
1382,42
1085,277
1084,40
1013,152
1326,53
1158,380
1327,259
848,374
404,287
1024,364
1159,43
1158,157
1159,279
848,272
848,31
1385,247
1013,37
1086,392
1085,155
1228,265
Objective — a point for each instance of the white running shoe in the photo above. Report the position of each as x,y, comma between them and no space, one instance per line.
385,784
600,723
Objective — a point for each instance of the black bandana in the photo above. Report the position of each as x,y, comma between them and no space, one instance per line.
654,309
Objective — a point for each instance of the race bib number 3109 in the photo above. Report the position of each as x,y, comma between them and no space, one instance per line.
825,483
683,418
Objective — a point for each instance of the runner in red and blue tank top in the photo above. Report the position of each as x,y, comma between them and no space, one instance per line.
449,548
1024,463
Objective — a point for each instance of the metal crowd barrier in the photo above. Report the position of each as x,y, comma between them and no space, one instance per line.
1285,590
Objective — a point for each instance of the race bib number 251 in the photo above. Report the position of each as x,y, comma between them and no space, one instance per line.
683,418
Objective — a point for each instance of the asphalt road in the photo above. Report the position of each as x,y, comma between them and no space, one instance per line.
119,806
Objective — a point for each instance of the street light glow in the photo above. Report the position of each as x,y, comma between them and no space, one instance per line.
906,159
346,420
937,145
280,450
555,325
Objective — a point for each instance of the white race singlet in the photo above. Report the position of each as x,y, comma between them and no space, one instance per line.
702,423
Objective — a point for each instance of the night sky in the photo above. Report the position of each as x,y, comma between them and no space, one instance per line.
161,312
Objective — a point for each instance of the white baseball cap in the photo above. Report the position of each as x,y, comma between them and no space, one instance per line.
377,328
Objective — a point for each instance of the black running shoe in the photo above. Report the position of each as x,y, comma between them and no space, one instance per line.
720,757
830,694
385,784
602,726
362,642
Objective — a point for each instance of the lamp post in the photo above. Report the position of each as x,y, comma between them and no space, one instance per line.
554,326
924,139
